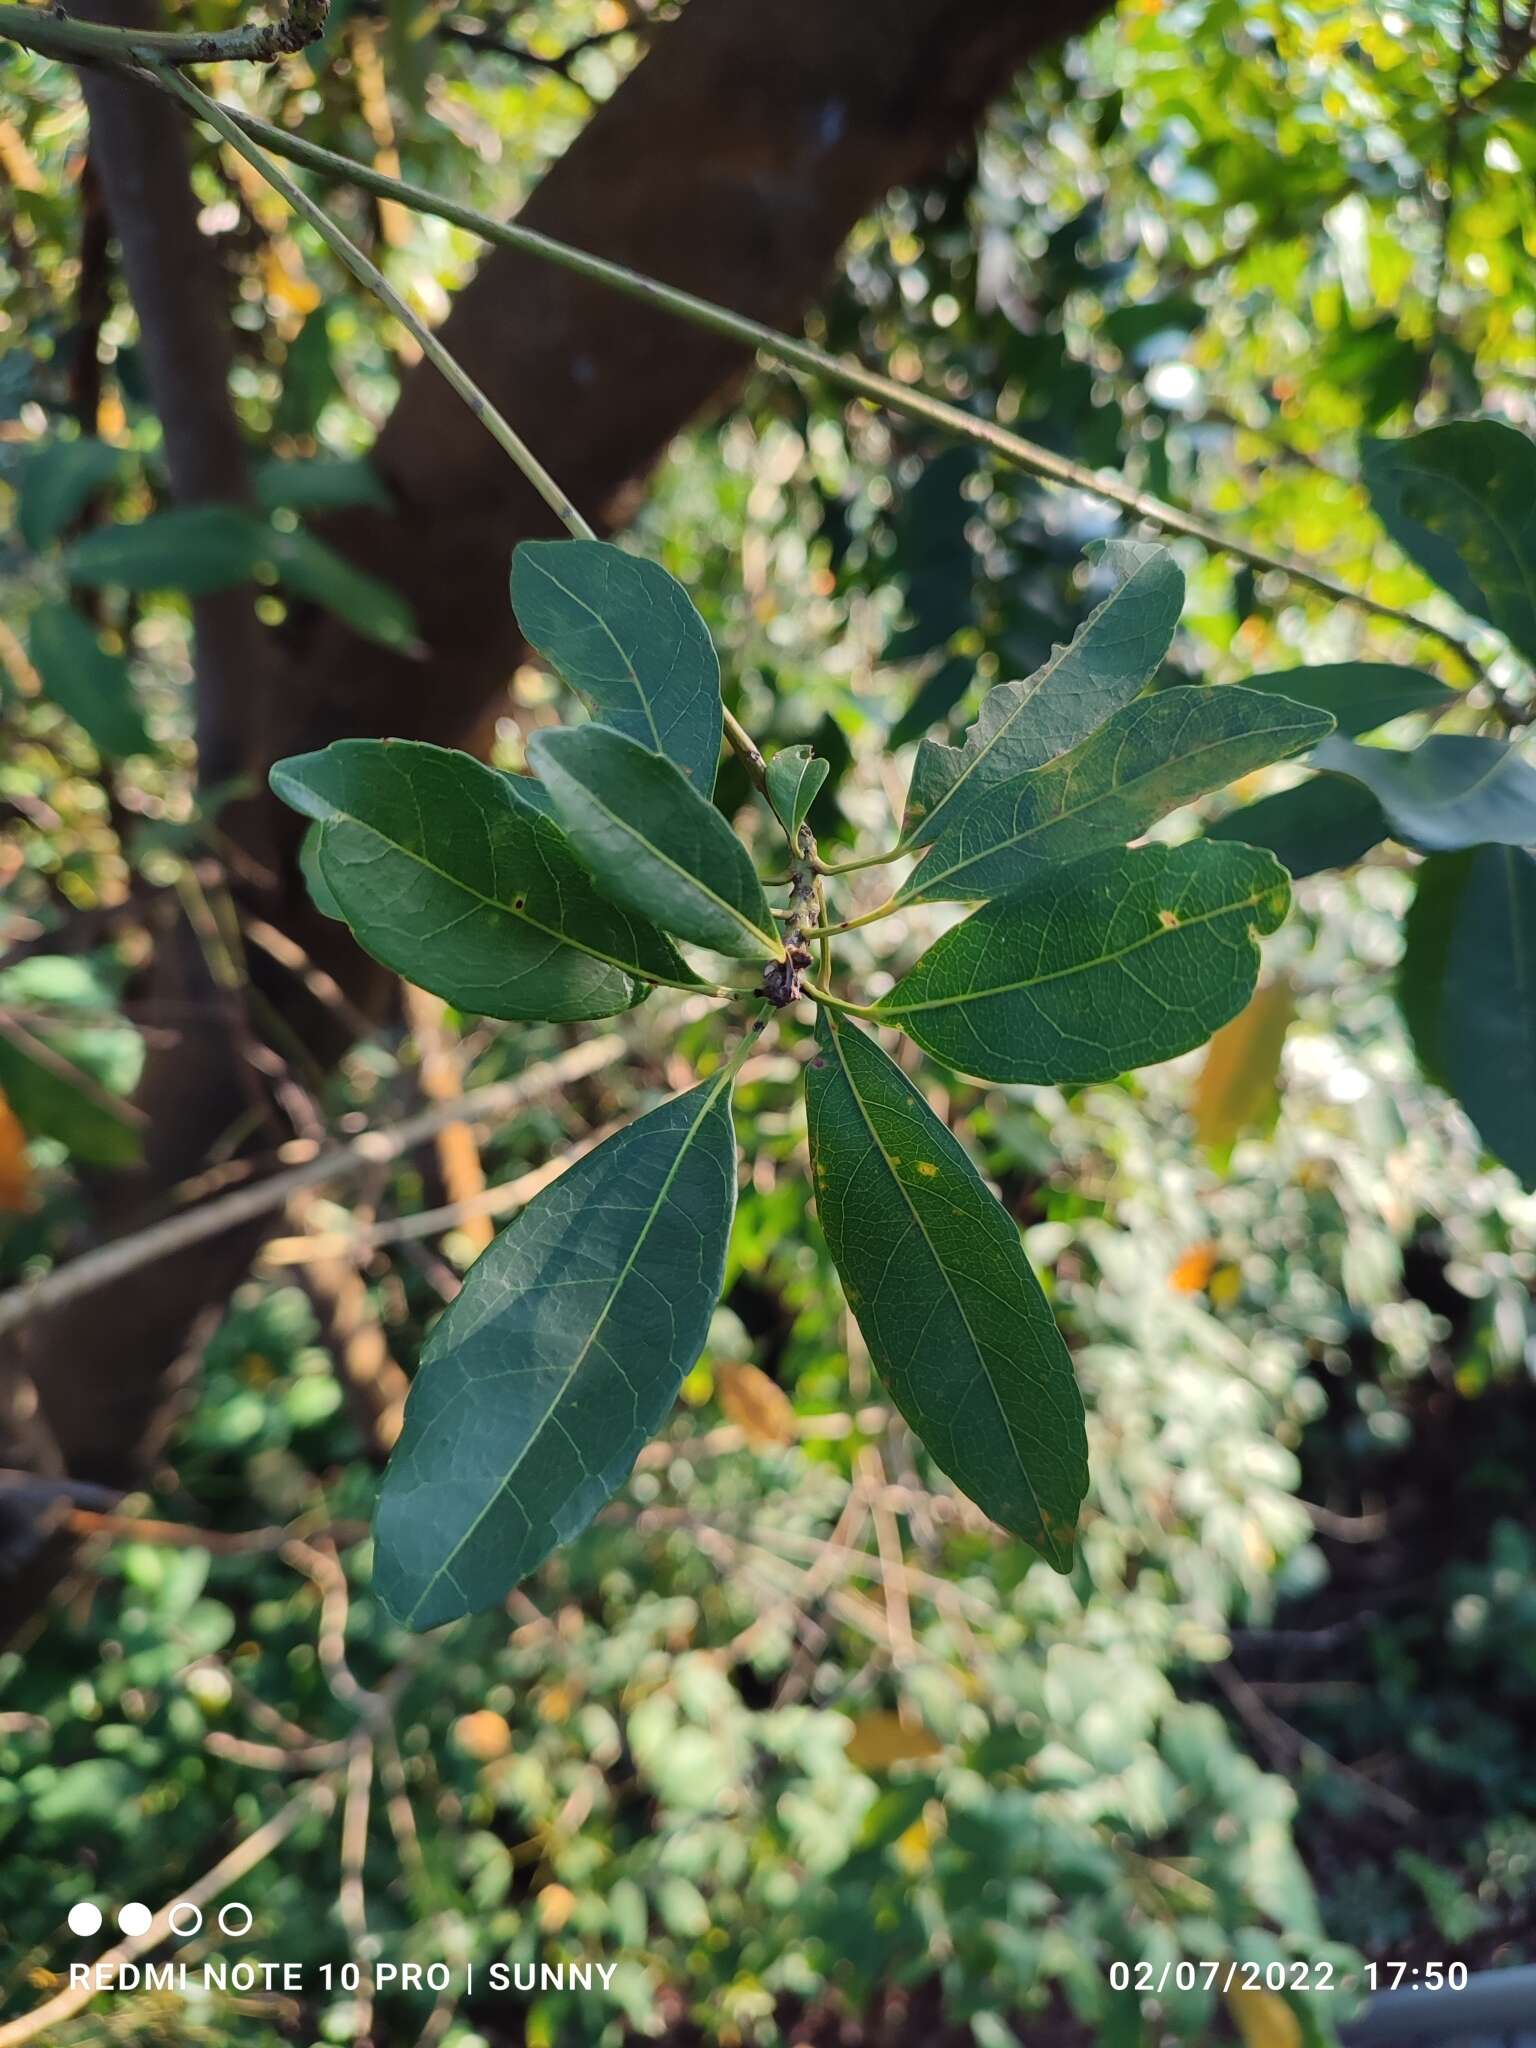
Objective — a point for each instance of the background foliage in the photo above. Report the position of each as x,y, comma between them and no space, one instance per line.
784,1755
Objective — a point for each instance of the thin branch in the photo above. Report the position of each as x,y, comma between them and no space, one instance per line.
54,34
368,274
109,1262
797,354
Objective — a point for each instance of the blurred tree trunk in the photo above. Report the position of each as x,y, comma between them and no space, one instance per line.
732,162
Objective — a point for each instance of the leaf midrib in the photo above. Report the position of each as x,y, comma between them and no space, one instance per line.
486,902
618,647
1104,796
444,1571
833,1031
1040,678
888,1008
739,917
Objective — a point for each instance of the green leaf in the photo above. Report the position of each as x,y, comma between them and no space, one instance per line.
1467,987
652,843
195,548
1114,962
314,881
1112,656
1488,1022
308,568
67,1062
956,1323
449,876
1450,791
1148,759
1360,695
322,483
1325,822
1460,500
794,776
58,480
626,636
81,677
558,1360
1440,882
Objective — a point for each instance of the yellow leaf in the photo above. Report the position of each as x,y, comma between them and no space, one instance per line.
555,1906
1194,1269
15,1169
283,275
880,1740
761,1410
1238,1086
484,1735
1264,2019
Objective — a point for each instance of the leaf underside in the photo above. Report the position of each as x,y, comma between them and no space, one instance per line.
1452,790
933,1268
556,1363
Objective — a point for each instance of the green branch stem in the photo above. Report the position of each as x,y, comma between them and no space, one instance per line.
840,372
228,125
819,994
852,924
76,42
53,34
225,123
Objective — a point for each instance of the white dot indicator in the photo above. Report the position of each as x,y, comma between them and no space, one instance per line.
227,1918
134,1918
185,1918
85,1918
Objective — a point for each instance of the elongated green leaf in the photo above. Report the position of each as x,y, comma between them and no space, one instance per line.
58,481
626,635
652,842
1488,1011
1112,656
560,1357
1325,822
794,776
1360,695
195,548
81,677
1114,962
309,568
1450,791
1440,883
68,1063
1144,762
322,483
1460,500
934,1271
314,881
1467,988
450,877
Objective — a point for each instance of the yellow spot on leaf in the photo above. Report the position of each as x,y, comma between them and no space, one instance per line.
1169,920
927,1169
